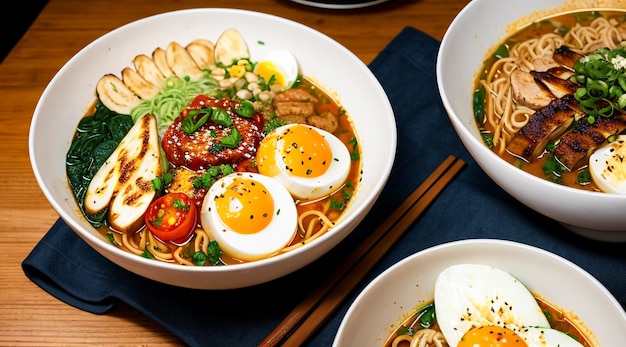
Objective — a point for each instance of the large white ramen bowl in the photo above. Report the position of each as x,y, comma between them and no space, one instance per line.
478,28
408,284
72,90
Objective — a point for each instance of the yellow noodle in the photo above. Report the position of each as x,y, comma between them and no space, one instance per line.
201,242
158,249
320,218
117,238
422,338
180,259
129,242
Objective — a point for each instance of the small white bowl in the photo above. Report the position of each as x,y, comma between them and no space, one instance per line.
476,29
399,290
72,91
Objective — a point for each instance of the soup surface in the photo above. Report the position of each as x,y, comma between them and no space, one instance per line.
552,94
220,160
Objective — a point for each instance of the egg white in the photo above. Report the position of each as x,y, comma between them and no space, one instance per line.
608,168
283,61
280,231
540,337
473,295
323,185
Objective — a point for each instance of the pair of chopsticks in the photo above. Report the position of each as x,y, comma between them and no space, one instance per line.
305,318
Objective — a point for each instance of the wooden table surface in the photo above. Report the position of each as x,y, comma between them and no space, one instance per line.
30,316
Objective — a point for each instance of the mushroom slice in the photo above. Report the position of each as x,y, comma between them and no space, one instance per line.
181,62
160,60
202,52
123,183
115,95
148,69
229,47
138,84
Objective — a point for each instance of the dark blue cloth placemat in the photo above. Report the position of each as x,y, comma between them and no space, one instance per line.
472,206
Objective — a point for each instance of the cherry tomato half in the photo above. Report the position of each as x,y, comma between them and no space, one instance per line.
172,217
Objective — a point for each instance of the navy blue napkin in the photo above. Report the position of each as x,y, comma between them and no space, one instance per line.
472,206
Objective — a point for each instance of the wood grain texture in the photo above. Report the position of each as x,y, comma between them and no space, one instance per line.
28,315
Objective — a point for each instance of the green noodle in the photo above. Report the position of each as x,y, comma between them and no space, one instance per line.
176,94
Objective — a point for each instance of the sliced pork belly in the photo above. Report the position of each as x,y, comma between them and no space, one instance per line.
544,125
566,57
558,86
585,138
529,93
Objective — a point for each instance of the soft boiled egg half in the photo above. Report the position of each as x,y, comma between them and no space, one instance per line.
250,216
608,167
310,162
479,305
281,65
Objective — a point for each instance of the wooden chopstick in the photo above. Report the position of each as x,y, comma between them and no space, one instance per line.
305,318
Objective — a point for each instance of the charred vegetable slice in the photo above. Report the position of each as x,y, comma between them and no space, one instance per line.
123,184
181,62
202,52
230,47
115,95
135,82
148,69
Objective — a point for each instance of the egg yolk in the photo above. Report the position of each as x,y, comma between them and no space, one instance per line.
246,206
491,336
267,69
304,152
266,157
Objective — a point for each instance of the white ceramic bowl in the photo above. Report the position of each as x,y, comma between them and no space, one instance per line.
399,290
476,29
71,92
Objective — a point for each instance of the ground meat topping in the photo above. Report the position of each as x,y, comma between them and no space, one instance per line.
202,149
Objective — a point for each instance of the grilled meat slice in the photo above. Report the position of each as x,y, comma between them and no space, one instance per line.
552,80
566,57
544,125
536,89
579,143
